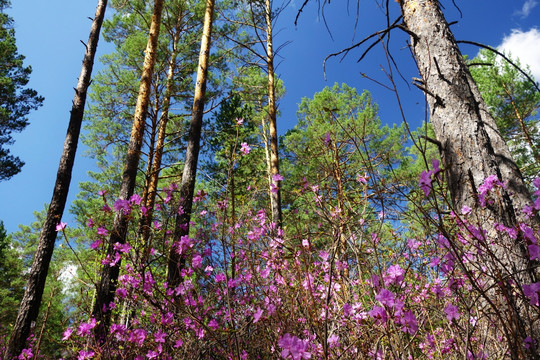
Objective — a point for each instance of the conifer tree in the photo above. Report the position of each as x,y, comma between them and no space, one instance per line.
16,101
29,307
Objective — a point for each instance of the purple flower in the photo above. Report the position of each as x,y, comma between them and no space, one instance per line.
534,252
277,177
196,261
160,336
409,322
84,328
385,297
102,231
378,313
531,291
122,205
452,312
394,275
96,244
425,182
219,277
293,346
135,199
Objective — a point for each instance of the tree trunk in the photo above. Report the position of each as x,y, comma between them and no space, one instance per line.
275,190
29,308
187,186
109,274
473,149
156,163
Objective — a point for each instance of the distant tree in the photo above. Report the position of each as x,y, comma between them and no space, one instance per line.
340,152
16,101
513,101
11,282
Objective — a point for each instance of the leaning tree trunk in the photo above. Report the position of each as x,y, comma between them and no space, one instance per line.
109,274
275,188
473,149
187,186
29,307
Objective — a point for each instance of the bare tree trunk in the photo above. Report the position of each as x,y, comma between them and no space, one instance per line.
187,186
275,191
29,307
109,274
473,149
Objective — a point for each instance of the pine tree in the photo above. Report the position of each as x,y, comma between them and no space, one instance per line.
16,101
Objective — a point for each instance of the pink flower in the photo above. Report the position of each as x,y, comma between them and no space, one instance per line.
239,121
90,223
61,226
67,334
245,149
83,355
26,354
277,177
257,315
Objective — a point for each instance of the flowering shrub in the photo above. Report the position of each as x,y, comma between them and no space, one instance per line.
248,294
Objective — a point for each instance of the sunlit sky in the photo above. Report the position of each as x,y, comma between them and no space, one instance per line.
49,33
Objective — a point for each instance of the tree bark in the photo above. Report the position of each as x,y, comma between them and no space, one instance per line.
29,307
187,186
473,149
275,190
109,274
156,161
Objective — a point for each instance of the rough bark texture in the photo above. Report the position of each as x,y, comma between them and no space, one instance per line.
187,186
275,191
473,149
29,307
109,274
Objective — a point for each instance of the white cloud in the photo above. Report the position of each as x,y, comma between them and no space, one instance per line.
524,45
527,8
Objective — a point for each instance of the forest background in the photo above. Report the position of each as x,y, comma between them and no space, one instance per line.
358,211
49,35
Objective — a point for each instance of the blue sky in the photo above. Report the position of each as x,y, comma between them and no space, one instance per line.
49,33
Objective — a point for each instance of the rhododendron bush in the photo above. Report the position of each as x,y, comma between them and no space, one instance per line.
247,294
